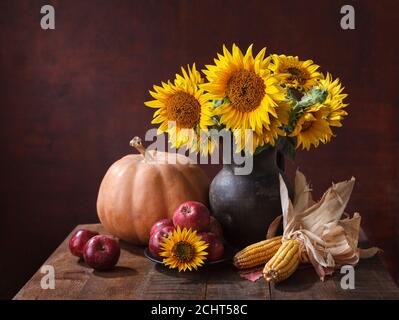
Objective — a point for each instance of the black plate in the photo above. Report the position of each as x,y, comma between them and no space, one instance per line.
228,254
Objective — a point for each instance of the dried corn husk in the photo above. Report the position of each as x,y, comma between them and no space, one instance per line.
328,236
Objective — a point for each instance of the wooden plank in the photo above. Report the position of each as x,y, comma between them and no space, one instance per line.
372,281
70,274
304,284
224,283
142,279
120,283
163,283
135,277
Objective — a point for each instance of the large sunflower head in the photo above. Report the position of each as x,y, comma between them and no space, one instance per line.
249,91
183,249
334,100
312,127
294,73
183,110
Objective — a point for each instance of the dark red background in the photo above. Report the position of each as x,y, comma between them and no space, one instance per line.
72,98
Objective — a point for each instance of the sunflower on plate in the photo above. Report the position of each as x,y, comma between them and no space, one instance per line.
183,249
183,110
294,73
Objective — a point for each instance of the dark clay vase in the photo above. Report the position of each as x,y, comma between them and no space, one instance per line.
245,205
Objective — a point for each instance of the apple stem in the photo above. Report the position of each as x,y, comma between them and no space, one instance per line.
136,143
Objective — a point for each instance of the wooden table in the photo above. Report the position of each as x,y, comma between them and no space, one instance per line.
135,277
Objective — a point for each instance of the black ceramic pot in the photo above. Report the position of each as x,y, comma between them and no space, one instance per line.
245,205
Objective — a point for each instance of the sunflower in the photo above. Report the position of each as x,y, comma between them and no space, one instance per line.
246,85
312,128
296,74
182,109
183,249
334,101
268,136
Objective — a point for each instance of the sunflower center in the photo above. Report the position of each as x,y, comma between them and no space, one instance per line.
306,125
296,74
183,108
183,251
245,90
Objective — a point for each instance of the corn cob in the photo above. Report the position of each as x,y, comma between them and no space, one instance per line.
257,253
284,263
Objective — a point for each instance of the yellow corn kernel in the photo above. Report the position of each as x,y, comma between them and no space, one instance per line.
284,263
257,253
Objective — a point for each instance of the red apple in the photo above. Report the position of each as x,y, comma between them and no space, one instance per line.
216,247
215,228
102,252
157,238
79,240
160,224
192,214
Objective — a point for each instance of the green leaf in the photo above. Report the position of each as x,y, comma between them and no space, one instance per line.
313,96
293,95
216,103
226,100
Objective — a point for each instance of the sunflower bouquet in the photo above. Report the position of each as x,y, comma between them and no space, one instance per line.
279,99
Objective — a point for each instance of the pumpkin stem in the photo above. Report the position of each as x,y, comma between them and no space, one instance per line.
136,143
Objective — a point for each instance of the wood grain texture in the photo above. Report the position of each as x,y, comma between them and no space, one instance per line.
135,277
372,281
225,283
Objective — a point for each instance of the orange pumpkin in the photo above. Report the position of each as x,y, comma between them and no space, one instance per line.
140,189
